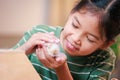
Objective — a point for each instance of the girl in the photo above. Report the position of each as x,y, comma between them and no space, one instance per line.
85,39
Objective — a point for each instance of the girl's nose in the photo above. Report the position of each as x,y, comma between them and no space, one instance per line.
77,37
77,40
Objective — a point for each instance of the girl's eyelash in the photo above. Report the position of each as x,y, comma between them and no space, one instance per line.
90,40
74,25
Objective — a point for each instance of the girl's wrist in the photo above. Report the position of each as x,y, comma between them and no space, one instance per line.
23,48
63,72
61,67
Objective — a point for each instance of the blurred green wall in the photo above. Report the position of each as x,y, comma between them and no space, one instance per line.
116,47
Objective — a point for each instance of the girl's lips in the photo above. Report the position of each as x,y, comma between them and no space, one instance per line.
70,46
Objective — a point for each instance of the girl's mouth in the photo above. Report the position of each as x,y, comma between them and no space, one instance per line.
70,46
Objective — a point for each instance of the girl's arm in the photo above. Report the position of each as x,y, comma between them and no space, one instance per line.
63,72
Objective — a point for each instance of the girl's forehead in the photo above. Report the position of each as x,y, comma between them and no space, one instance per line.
88,17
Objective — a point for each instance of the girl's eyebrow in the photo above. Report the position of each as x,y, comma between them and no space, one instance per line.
77,20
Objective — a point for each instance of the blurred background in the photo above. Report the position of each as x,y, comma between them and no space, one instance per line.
18,16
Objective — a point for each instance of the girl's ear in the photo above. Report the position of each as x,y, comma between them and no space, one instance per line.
108,44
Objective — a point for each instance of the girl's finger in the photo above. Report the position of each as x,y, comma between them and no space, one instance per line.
61,58
52,33
48,57
52,36
42,37
41,57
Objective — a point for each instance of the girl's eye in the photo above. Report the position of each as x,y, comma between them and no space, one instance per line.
90,40
74,25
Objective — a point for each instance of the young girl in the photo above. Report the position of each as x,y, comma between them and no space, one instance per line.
85,39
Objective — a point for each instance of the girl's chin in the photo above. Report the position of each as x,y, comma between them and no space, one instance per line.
71,53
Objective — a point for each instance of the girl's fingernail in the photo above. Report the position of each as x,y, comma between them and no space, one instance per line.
51,40
58,59
57,41
51,32
42,42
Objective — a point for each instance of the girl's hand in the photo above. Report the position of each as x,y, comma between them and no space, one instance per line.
38,39
50,61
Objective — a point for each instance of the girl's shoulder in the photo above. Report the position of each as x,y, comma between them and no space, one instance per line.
107,54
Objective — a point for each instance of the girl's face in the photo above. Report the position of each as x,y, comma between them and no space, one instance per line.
81,35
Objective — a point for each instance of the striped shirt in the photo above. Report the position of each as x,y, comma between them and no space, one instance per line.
96,66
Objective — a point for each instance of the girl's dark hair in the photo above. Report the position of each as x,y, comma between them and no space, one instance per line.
109,11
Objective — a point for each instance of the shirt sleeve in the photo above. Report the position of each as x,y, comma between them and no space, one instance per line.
104,69
25,38
35,29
